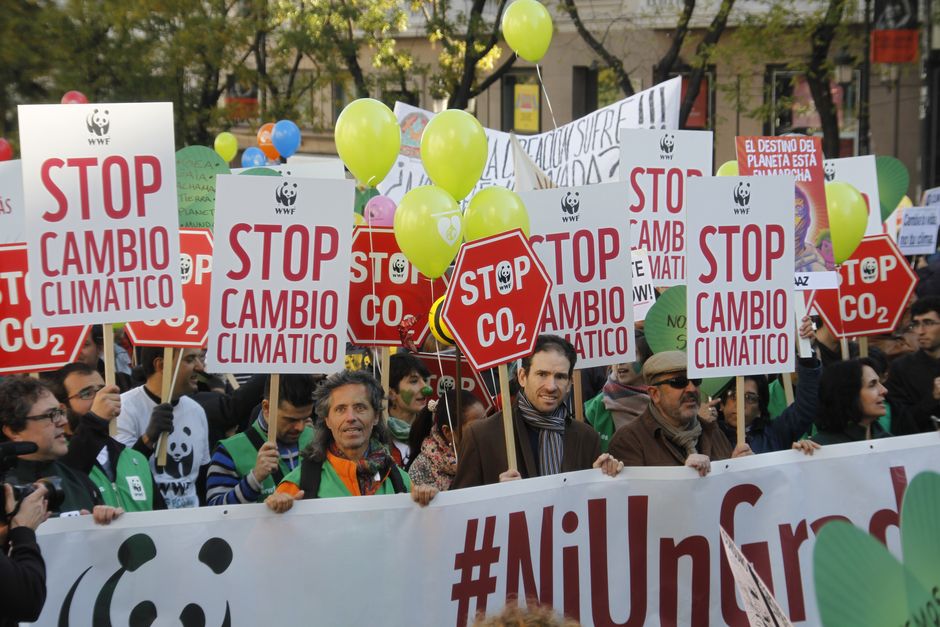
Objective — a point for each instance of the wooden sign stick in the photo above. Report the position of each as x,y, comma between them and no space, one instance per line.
739,406
787,387
109,377
166,395
274,400
578,397
508,430
386,359
863,346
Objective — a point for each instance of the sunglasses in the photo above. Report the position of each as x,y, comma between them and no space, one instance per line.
680,383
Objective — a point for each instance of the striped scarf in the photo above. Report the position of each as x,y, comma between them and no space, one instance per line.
551,430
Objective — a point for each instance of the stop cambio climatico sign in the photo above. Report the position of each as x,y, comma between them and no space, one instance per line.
99,186
280,275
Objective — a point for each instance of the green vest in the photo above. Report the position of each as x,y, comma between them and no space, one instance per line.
244,453
133,484
598,416
332,486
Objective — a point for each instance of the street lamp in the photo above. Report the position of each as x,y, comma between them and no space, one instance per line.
845,68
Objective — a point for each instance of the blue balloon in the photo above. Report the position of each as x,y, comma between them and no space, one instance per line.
286,138
253,158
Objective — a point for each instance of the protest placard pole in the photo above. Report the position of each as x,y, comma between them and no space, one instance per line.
385,362
274,394
863,346
34,375
787,387
844,343
578,397
458,385
804,344
508,430
166,396
232,381
109,366
739,406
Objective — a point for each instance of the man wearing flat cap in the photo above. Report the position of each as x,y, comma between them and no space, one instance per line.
669,432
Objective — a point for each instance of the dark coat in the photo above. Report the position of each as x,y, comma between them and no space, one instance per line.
482,454
910,393
643,443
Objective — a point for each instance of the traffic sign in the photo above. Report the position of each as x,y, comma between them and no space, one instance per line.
875,284
443,369
191,330
496,299
385,288
24,348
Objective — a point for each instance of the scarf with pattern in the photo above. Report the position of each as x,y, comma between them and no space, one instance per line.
372,469
551,430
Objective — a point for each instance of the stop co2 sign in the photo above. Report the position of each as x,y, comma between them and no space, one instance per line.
496,299
875,284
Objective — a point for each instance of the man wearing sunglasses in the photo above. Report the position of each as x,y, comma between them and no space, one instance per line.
121,474
30,413
669,433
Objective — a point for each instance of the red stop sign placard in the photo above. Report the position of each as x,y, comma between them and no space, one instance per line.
496,299
875,284
384,288
193,328
23,348
443,369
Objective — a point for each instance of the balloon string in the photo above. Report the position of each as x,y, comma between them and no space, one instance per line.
548,100
457,386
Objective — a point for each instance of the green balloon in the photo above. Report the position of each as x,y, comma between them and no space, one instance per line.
665,330
259,172
196,167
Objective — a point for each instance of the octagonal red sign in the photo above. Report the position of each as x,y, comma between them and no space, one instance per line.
384,289
193,328
875,284
496,299
22,347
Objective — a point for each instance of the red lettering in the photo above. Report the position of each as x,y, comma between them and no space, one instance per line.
696,548
53,189
637,531
239,251
144,188
108,185
83,164
709,257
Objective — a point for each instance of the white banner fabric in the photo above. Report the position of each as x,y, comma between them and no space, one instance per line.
641,548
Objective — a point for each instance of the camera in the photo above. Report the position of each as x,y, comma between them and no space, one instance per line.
9,452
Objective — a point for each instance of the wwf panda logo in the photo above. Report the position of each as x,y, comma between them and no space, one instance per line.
571,202
286,194
829,169
98,122
667,144
135,552
179,460
445,385
869,270
742,194
504,277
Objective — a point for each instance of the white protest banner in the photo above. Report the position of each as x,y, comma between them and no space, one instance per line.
918,234
656,166
860,173
99,185
582,237
644,294
740,293
643,548
582,152
280,271
12,218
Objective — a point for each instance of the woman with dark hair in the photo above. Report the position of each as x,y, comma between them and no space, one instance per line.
436,432
851,400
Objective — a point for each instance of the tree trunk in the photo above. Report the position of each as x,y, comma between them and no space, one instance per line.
615,64
817,76
667,64
702,55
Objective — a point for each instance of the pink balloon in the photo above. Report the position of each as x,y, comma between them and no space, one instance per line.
74,97
380,211
6,150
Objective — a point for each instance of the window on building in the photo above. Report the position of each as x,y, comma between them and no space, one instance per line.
702,115
592,88
521,103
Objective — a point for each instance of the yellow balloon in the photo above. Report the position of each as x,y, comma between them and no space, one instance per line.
905,203
438,327
368,139
453,151
848,218
527,28
494,210
728,168
226,146
428,229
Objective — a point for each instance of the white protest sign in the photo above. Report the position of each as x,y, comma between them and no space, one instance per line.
740,293
582,237
931,197
12,218
582,152
860,173
644,294
918,234
99,184
759,603
280,279
656,165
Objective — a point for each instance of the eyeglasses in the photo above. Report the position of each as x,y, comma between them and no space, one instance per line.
56,414
749,397
86,394
680,383
927,323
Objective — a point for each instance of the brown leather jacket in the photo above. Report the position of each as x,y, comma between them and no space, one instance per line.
643,443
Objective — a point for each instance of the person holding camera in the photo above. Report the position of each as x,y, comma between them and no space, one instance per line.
30,413
22,570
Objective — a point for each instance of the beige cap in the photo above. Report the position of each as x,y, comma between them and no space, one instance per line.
666,361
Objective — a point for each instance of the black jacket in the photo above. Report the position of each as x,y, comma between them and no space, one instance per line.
22,578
